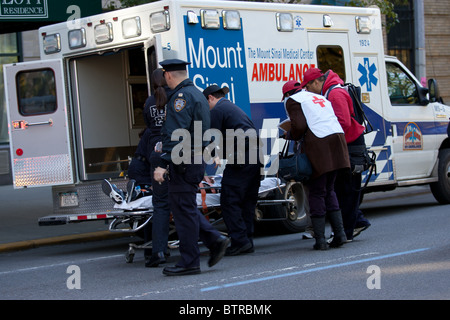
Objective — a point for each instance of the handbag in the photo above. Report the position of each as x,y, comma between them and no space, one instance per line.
294,166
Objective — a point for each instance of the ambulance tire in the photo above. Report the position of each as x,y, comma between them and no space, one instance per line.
292,217
441,188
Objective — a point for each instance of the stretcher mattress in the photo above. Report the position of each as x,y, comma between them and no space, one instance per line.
209,199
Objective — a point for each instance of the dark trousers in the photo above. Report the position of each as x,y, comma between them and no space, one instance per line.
190,224
348,191
161,210
322,197
239,194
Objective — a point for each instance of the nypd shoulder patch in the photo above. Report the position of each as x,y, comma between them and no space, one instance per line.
179,104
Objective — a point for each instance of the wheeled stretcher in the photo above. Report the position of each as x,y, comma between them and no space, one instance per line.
134,216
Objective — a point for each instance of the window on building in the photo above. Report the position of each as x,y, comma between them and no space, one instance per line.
401,36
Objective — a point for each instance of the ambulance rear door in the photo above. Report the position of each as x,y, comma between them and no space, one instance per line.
38,124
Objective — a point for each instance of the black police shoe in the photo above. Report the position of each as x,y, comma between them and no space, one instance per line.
235,250
155,260
218,250
180,271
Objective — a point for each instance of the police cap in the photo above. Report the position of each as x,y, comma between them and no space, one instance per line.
214,88
174,64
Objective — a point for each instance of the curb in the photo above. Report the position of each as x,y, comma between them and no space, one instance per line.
30,244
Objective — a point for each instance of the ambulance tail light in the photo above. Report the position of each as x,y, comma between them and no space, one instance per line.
231,20
160,21
77,38
210,19
285,22
103,32
52,43
131,27
363,25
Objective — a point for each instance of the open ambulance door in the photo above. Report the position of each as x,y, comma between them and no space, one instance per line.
153,55
38,124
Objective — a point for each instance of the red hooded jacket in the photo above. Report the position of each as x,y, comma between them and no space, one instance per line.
343,106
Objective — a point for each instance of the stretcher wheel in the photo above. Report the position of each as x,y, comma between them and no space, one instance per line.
129,255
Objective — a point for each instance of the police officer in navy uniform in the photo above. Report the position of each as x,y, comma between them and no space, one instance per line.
241,177
187,108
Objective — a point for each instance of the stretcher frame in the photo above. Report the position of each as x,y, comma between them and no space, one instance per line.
133,217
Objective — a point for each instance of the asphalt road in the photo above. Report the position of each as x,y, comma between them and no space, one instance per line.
405,254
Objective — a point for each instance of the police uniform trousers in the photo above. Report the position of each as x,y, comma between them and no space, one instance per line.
190,224
238,198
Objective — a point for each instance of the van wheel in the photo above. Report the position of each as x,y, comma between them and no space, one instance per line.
441,188
292,215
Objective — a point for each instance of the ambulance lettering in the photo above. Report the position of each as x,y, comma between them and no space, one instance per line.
217,57
280,70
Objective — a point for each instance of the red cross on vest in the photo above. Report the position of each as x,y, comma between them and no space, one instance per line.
320,101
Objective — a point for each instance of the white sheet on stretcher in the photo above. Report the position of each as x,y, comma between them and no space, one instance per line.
211,199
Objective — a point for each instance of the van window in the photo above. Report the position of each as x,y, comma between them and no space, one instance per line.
36,92
331,57
401,88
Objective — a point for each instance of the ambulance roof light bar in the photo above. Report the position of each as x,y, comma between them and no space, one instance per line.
131,27
363,25
285,22
160,21
77,38
192,17
103,32
231,20
210,19
51,43
327,21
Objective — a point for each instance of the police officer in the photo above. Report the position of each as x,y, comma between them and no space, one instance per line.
187,109
241,177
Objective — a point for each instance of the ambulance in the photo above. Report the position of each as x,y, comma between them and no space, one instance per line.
75,114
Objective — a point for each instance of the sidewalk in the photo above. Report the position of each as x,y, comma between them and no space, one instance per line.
20,210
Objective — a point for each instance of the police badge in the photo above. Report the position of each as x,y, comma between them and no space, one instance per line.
179,104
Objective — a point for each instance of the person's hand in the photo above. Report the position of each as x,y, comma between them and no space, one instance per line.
159,173
216,162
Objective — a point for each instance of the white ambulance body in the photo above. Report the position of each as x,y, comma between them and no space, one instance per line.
74,116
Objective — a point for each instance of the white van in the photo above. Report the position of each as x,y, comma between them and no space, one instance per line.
74,116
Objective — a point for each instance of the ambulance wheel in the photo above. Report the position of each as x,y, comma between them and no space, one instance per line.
294,213
441,188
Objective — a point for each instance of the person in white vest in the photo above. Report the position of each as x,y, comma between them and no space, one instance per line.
313,121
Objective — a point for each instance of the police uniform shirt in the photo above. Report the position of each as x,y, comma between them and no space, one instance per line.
226,115
186,105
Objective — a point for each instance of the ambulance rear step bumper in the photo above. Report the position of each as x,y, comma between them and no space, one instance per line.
56,220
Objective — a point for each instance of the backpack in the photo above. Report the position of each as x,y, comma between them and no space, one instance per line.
361,159
359,114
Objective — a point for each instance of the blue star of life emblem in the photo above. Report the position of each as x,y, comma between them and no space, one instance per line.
367,74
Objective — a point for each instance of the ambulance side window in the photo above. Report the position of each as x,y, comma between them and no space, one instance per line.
401,88
331,57
36,92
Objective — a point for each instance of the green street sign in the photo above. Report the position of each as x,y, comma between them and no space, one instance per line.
47,10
